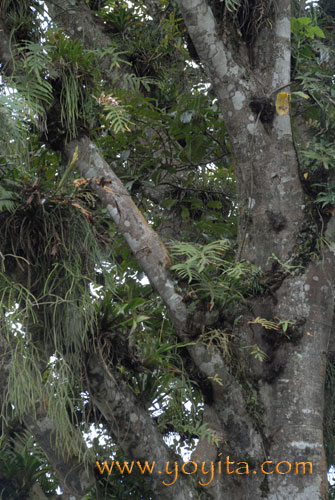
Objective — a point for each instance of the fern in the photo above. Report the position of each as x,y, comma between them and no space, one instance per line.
211,274
116,112
119,121
8,200
33,86
108,52
35,93
198,256
133,83
13,127
326,198
36,58
265,323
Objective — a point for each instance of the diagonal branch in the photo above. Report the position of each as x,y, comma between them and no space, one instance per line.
144,242
154,259
133,429
75,478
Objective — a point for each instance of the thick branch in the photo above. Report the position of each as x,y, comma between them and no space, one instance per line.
133,429
270,194
154,259
75,479
202,27
146,245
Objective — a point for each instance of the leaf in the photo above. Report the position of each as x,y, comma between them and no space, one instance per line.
137,301
185,213
124,155
169,203
83,210
214,204
318,32
8,200
283,103
268,325
304,20
301,94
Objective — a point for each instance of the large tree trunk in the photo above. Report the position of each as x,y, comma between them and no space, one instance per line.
272,222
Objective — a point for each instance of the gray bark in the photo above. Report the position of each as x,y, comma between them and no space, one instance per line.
133,429
272,218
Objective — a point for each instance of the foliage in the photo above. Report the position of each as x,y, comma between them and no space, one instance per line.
7,199
53,299
22,467
65,268
313,74
213,276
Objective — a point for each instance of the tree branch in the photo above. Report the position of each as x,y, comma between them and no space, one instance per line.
145,243
220,66
133,429
75,478
154,259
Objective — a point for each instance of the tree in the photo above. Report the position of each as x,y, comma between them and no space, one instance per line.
125,129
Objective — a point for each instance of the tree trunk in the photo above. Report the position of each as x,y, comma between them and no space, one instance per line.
272,229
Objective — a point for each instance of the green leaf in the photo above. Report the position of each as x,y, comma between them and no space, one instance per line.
185,213
304,20
318,32
169,203
214,204
301,94
137,301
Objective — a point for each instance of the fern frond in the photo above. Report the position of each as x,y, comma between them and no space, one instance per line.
212,274
133,83
8,200
110,52
117,116
36,58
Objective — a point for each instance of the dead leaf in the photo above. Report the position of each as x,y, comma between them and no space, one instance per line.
109,190
80,182
283,103
83,210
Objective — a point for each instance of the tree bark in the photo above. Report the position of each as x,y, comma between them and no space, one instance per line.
272,219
